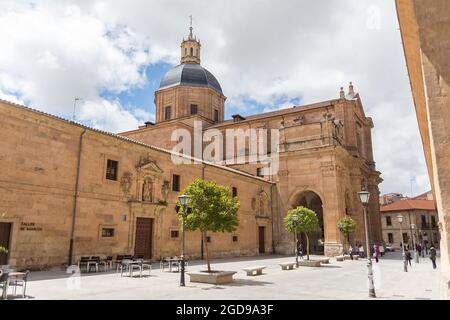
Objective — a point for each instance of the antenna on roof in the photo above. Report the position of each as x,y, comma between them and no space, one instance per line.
190,28
75,100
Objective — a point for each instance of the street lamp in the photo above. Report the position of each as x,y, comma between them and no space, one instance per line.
405,263
416,254
295,221
184,200
364,198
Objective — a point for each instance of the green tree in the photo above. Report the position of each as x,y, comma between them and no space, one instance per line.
213,209
347,226
307,222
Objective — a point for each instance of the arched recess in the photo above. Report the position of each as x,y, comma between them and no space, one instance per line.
313,201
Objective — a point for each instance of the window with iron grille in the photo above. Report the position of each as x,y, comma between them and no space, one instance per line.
234,190
194,109
174,233
168,113
111,169
235,239
176,182
208,239
216,115
107,232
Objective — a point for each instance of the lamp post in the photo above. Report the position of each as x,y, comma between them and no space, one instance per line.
405,263
295,221
184,200
416,254
364,198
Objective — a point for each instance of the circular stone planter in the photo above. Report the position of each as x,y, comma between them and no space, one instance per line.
309,263
215,277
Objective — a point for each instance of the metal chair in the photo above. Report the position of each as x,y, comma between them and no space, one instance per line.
164,263
20,282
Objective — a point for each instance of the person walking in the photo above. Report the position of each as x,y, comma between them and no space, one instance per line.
361,251
376,252
408,256
382,250
350,251
419,249
300,249
433,256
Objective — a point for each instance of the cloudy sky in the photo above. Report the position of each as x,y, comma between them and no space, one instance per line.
267,54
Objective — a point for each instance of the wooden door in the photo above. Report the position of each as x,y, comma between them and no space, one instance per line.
262,236
5,235
144,237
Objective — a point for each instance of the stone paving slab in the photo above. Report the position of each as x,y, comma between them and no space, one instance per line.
338,280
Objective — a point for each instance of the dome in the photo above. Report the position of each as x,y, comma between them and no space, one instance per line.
190,74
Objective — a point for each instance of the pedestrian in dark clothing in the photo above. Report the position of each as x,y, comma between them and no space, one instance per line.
300,250
433,256
408,257
419,249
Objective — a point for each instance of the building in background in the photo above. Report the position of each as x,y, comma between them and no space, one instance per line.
425,31
390,198
420,222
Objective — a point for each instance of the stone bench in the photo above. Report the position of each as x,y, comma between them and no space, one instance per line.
347,257
310,263
355,257
324,260
254,270
287,265
340,258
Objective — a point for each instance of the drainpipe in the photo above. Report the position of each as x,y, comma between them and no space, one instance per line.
271,211
77,183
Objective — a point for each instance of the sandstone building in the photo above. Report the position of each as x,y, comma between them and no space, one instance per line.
69,190
419,225
425,31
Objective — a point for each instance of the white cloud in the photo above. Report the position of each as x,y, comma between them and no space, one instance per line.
261,51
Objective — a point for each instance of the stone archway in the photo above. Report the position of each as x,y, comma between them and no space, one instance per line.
312,200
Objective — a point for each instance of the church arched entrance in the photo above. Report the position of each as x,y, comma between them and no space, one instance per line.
311,200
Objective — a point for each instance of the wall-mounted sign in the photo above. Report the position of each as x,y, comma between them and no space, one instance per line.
29,226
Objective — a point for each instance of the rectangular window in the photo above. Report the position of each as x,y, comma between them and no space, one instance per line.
194,109
391,238
235,239
216,115
111,169
433,221
107,232
234,189
176,182
405,237
259,172
168,113
208,239
174,234
388,221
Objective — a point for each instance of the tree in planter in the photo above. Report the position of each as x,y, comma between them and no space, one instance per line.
307,222
213,209
347,226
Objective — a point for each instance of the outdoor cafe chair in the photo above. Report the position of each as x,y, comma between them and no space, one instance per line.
20,282
164,263
99,262
129,266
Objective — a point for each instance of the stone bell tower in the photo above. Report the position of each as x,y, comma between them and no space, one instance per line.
190,48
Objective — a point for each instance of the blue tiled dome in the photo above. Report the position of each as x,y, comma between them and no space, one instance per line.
190,75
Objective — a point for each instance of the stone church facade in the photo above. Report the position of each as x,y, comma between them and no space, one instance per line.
68,190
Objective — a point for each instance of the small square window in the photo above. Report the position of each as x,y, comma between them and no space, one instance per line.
259,172
174,234
235,239
388,221
208,239
107,232
112,167
234,191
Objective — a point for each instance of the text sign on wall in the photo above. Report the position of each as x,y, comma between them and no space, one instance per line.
29,226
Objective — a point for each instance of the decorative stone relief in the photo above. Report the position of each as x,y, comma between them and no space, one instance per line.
125,183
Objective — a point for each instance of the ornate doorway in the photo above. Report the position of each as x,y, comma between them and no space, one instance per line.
311,200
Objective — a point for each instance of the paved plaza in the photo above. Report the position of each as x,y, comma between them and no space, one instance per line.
338,280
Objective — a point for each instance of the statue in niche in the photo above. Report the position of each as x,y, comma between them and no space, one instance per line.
147,190
165,189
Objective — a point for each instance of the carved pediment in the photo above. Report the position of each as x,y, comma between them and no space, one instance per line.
148,166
